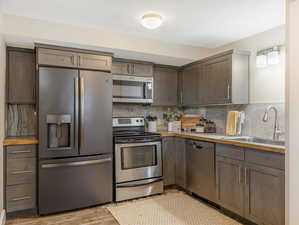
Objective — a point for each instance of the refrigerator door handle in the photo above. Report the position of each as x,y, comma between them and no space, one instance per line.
72,164
76,142
82,95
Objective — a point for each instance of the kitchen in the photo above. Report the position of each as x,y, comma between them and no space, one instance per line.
77,115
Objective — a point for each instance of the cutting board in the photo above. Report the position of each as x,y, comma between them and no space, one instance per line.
190,121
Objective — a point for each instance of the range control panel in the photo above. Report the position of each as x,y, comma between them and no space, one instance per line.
128,122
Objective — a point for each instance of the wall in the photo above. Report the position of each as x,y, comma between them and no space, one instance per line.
266,84
292,109
20,29
2,107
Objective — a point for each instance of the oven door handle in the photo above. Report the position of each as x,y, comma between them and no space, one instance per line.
139,183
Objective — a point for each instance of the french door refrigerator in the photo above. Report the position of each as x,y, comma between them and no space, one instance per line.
75,139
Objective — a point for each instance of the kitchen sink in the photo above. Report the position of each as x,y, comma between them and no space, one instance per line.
256,140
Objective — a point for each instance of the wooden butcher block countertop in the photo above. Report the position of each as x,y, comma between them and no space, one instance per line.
28,140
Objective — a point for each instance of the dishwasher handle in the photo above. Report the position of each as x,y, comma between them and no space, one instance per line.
196,146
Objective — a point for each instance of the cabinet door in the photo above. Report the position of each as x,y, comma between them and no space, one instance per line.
165,86
217,80
201,177
120,68
180,165
142,70
95,62
53,57
265,195
21,76
230,190
169,156
190,86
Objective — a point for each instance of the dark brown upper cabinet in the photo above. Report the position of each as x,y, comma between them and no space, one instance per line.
132,68
218,79
73,58
165,86
190,85
121,68
95,62
20,76
52,57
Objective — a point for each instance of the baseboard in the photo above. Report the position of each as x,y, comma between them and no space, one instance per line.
3,217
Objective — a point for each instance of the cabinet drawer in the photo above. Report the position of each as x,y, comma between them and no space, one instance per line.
57,58
230,151
95,62
20,151
21,171
20,197
268,159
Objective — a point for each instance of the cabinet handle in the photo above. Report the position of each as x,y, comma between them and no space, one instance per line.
246,177
128,68
240,172
22,198
19,152
228,91
21,172
79,61
133,68
73,59
33,92
181,97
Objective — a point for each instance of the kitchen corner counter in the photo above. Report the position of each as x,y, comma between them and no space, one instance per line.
221,140
29,140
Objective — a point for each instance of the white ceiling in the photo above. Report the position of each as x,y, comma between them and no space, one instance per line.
206,23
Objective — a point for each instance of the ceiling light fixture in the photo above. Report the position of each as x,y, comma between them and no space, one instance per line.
151,20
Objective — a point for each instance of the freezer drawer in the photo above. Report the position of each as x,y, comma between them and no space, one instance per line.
67,184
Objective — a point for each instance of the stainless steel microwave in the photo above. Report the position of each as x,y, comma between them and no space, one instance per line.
132,89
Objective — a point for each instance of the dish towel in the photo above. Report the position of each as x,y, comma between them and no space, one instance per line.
232,122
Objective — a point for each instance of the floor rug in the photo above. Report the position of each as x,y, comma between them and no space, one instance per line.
168,209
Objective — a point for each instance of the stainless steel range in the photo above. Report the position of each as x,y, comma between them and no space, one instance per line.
138,159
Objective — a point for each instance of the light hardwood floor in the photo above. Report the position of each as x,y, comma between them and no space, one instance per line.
92,216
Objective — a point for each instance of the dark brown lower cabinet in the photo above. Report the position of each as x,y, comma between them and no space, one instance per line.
253,190
169,156
180,164
20,179
174,161
264,195
230,189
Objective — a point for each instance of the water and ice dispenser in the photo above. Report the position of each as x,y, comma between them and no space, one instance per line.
59,130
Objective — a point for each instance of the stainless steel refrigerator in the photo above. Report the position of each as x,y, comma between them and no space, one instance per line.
75,139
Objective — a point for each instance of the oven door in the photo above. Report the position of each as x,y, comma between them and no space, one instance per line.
136,161
132,89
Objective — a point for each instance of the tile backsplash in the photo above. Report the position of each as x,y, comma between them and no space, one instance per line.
123,110
254,126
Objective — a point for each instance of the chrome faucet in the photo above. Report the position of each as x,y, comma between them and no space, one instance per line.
277,132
